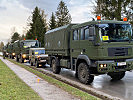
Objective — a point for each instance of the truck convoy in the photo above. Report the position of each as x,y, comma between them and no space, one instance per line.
20,49
91,48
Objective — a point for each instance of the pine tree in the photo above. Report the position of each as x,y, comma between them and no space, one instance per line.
62,14
22,37
15,37
52,22
1,46
130,13
38,26
111,9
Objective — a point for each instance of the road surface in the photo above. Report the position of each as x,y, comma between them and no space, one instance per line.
122,89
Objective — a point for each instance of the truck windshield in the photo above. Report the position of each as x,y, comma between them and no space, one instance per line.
115,32
39,52
31,44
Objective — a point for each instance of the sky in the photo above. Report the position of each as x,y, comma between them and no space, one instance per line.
14,13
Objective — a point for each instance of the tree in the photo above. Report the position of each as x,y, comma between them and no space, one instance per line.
1,46
52,22
130,13
111,9
38,26
15,37
22,37
62,14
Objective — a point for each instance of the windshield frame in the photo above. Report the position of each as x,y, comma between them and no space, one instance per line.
39,53
29,44
118,29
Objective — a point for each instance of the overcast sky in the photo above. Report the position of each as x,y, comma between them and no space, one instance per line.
14,13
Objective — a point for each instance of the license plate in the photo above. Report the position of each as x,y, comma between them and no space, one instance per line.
121,63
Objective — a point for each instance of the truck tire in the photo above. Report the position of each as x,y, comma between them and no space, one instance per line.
17,59
84,74
117,75
56,69
22,60
43,64
12,57
31,63
36,64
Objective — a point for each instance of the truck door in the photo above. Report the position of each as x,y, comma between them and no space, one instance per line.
86,41
75,49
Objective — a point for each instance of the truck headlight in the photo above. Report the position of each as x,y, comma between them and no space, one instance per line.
38,56
103,65
13,54
24,55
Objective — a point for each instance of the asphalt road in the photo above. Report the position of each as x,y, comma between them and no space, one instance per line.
122,88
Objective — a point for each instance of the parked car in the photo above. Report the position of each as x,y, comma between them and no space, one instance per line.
37,57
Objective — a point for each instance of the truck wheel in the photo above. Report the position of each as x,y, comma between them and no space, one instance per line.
44,64
117,75
31,63
12,57
17,59
84,74
3,57
37,64
22,60
56,69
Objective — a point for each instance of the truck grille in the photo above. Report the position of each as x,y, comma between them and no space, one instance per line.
118,51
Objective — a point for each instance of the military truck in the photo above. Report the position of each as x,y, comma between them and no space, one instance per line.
22,47
4,51
10,51
38,57
91,48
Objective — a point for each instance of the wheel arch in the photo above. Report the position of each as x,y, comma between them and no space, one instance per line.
82,58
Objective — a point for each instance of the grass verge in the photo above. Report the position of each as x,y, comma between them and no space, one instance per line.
12,87
74,91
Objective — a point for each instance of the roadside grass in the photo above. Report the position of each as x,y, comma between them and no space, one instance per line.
74,91
12,87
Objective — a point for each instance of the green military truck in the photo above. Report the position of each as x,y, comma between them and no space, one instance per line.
4,51
37,57
10,51
91,48
22,47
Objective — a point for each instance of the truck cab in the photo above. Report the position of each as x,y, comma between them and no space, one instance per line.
103,46
22,49
38,57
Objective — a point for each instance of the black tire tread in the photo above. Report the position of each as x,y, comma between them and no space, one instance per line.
90,78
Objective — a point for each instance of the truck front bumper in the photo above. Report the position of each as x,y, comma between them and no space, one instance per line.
43,60
112,66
